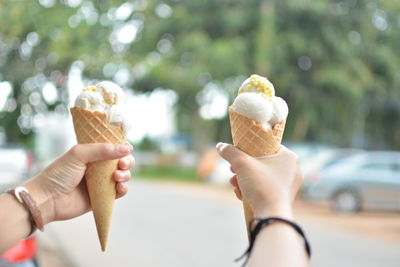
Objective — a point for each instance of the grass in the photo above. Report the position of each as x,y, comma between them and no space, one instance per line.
167,173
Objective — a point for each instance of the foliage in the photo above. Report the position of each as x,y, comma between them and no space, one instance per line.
335,62
147,145
167,173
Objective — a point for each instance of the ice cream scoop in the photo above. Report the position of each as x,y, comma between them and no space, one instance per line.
255,107
280,110
256,100
106,97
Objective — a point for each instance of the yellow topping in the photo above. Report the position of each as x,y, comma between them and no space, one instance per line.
111,100
90,89
258,84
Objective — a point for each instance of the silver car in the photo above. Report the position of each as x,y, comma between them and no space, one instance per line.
369,180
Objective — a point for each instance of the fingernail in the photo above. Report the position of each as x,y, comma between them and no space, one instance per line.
123,149
219,145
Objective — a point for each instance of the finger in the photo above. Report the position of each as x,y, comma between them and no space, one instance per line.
238,193
122,176
93,152
122,189
232,155
234,181
126,163
123,164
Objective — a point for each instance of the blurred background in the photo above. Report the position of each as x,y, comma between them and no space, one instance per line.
336,63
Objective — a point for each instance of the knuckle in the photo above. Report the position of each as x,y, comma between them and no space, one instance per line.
74,151
293,156
240,163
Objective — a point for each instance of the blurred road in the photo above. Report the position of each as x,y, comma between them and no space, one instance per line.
156,225
167,224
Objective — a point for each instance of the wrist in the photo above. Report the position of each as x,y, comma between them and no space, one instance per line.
283,210
42,197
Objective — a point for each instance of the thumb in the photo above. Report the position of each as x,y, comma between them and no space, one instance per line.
93,152
230,153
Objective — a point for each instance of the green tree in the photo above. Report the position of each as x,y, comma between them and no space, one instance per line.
335,62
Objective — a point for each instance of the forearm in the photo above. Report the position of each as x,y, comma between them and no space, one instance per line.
278,244
15,223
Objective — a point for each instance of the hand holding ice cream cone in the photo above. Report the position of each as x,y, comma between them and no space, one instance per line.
257,120
269,184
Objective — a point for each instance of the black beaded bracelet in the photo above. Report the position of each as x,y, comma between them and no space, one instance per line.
260,223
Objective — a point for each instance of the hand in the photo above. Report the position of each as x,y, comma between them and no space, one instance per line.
60,190
269,184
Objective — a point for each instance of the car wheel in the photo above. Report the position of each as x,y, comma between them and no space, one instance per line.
346,201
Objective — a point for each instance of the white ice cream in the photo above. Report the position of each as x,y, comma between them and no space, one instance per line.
280,110
257,101
106,97
255,107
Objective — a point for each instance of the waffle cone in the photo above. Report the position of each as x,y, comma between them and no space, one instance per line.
93,127
250,137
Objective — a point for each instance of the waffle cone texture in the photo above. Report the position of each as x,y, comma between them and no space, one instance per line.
93,127
250,137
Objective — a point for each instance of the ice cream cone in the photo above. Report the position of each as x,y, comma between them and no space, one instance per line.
93,127
253,139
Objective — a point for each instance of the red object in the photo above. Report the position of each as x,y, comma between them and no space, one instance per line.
22,251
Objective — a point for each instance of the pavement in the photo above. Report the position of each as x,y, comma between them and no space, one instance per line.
180,225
